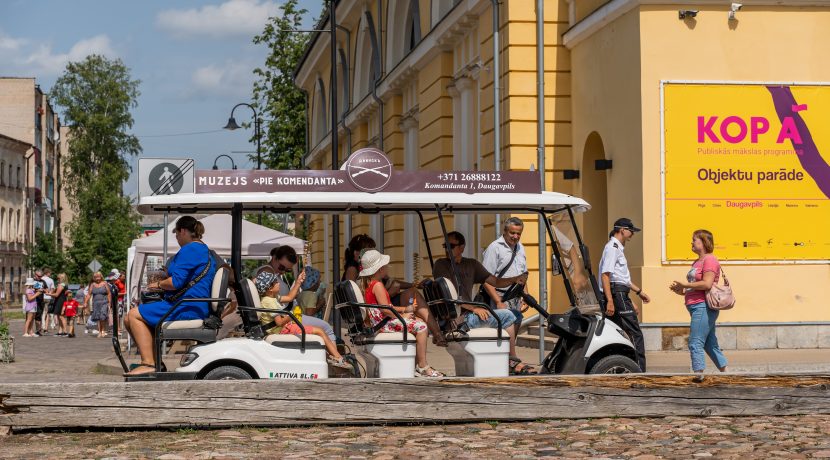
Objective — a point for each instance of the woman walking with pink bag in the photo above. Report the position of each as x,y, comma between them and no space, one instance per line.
704,274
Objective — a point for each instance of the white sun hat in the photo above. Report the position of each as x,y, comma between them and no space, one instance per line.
29,282
372,261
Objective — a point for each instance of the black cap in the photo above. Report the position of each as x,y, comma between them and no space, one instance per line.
625,222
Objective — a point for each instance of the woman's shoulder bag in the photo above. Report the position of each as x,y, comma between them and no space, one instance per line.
720,297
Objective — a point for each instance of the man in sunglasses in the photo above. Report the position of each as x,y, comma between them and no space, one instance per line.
616,285
283,260
470,272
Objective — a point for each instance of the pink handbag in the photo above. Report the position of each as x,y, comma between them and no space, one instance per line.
720,297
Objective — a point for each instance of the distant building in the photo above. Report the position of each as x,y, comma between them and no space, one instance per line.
12,216
26,115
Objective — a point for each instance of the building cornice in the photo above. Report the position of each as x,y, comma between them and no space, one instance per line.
10,142
616,8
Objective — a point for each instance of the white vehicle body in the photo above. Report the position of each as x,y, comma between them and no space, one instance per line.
285,360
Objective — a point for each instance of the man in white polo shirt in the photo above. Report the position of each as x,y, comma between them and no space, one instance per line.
616,285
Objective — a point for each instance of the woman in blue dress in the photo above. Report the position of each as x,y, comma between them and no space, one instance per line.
190,275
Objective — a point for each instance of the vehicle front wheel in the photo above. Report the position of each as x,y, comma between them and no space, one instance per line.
228,373
615,364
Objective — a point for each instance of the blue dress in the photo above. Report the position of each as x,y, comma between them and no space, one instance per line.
185,266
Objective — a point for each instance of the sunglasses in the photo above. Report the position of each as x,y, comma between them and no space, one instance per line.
452,245
282,268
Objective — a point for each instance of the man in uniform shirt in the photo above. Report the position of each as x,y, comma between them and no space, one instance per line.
616,285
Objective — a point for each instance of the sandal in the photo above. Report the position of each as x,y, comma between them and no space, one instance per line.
341,363
526,369
141,369
439,341
427,372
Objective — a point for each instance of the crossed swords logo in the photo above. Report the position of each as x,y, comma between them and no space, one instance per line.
372,170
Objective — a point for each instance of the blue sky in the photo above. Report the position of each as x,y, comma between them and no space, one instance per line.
194,58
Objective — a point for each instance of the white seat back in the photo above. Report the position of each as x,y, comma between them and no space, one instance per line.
219,288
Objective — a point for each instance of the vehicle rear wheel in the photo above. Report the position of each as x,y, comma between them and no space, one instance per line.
228,373
615,364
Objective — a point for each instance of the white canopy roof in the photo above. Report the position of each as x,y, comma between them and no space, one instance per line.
257,240
354,202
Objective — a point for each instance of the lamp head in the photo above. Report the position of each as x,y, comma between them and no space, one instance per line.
232,124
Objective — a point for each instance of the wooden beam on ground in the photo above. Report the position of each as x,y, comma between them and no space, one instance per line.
416,400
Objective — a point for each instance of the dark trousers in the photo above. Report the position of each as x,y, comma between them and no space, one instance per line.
626,318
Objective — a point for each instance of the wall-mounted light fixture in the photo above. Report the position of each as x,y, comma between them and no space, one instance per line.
603,165
570,174
734,9
683,14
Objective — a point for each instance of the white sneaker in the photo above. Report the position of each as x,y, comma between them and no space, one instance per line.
86,331
95,332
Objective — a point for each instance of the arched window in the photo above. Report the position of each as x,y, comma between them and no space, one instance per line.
3,224
405,27
19,230
367,58
320,111
2,170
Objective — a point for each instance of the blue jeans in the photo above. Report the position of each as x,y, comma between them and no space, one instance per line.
702,337
506,317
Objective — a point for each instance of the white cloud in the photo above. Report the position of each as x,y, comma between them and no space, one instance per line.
45,62
231,18
233,78
9,43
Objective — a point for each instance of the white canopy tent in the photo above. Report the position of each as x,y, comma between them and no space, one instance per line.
257,242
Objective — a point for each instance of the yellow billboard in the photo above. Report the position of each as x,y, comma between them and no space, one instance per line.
748,162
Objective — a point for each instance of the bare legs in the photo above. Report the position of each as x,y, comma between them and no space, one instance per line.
29,327
140,332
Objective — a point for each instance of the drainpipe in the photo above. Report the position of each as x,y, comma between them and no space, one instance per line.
496,102
381,230
540,152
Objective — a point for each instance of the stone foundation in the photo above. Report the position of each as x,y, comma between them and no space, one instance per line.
659,338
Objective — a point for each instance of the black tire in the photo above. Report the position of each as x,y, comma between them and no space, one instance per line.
615,364
228,373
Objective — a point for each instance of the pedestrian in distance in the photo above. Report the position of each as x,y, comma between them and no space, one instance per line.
48,301
616,286
30,308
40,325
80,294
705,273
69,311
58,298
100,298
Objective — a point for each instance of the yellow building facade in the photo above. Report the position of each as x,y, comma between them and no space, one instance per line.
415,78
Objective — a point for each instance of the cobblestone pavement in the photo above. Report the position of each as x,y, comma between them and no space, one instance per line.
56,359
645,438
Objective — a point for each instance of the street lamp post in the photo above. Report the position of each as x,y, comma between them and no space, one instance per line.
215,167
232,125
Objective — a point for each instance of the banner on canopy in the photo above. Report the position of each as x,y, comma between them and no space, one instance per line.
367,170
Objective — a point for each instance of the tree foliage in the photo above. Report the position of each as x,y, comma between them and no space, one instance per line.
97,96
276,97
46,253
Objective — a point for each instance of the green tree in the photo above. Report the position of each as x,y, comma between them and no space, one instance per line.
97,96
276,97
46,253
